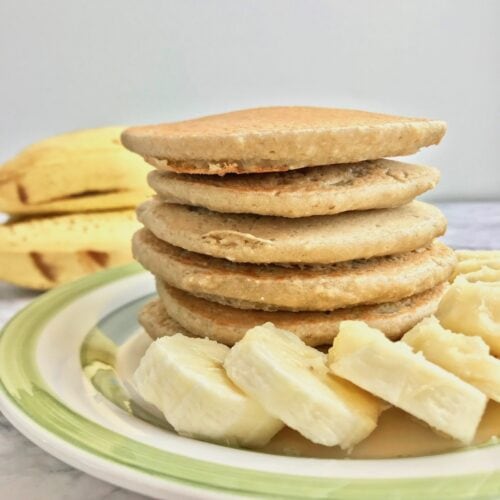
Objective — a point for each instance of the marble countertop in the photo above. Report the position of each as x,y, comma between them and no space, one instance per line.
27,472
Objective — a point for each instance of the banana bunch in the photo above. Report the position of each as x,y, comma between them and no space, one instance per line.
70,199
245,394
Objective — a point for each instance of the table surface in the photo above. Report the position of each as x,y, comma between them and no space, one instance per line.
28,472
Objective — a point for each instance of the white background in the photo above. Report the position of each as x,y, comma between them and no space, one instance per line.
73,64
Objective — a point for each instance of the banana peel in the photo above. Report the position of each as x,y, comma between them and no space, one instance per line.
74,172
43,252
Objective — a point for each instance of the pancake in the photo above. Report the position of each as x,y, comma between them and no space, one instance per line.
278,139
78,171
157,323
45,270
228,325
299,288
315,240
311,191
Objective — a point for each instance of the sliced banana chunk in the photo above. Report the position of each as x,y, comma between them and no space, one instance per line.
472,309
291,381
484,273
392,371
484,262
184,377
467,357
477,254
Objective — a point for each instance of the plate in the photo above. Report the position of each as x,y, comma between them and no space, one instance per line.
64,366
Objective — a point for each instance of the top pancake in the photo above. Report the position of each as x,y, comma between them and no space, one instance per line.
322,239
279,139
328,189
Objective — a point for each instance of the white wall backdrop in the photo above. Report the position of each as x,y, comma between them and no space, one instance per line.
81,63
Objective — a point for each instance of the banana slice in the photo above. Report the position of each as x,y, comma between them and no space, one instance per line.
485,273
467,357
291,381
484,262
184,378
477,254
472,309
392,371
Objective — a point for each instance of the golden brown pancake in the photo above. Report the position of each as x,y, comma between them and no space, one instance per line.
228,325
299,288
157,323
325,190
323,239
278,139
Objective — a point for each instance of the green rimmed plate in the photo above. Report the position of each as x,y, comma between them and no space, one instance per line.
47,395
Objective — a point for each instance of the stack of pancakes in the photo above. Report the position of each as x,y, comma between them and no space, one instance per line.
289,215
